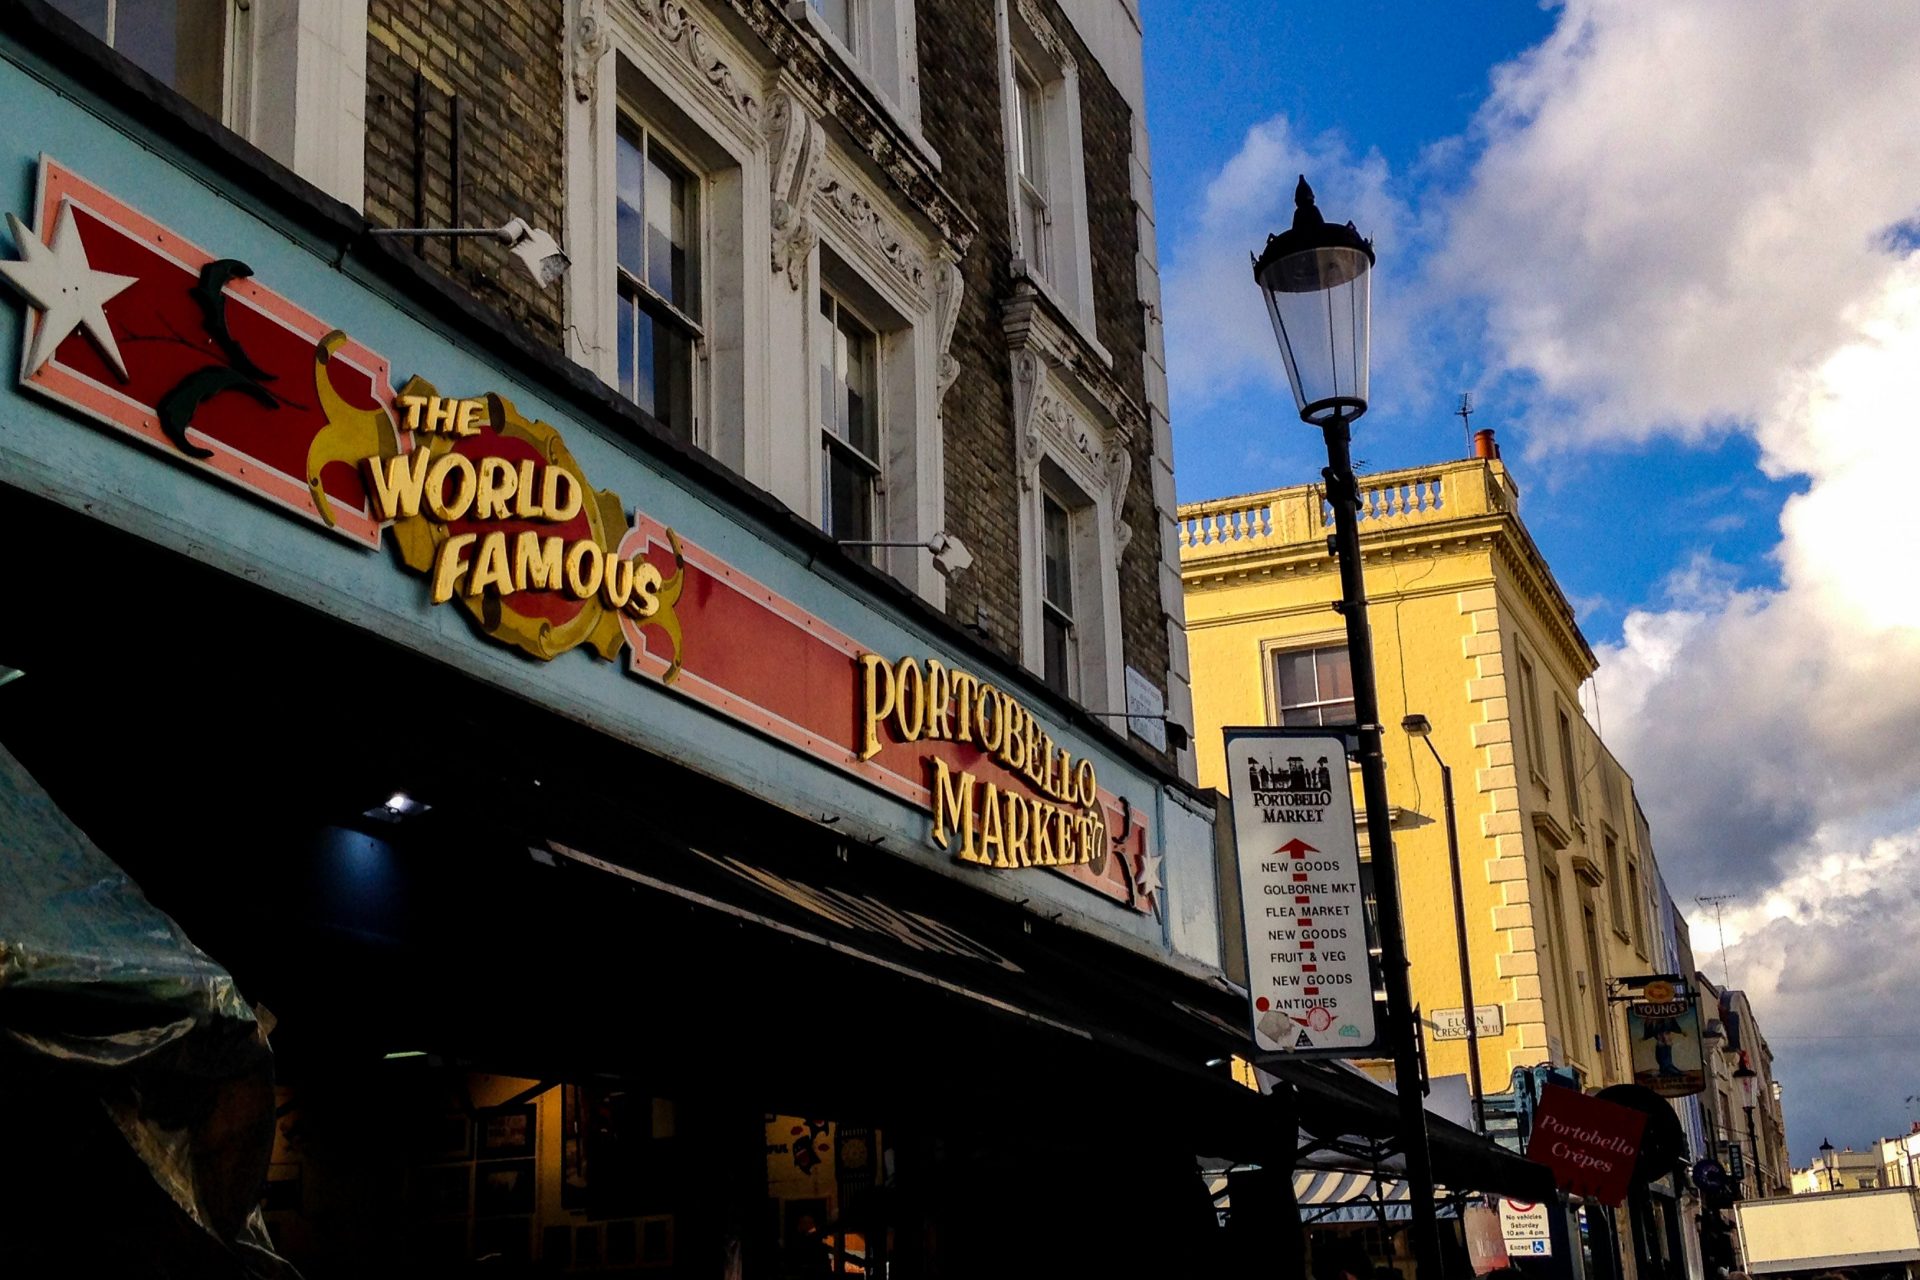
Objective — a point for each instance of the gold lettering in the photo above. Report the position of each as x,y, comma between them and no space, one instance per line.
1019,827
1085,785
585,565
441,414
437,503
1044,848
963,687
536,562
953,809
524,504
467,421
1013,743
646,590
938,696
910,700
448,567
1039,748
412,404
395,483
876,703
619,584
989,736
559,509
490,568
497,481
992,836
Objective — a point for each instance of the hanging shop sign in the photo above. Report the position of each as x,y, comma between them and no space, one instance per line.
1663,1029
147,334
1589,1144
1303,905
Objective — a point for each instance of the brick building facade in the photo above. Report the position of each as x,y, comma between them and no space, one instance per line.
931,186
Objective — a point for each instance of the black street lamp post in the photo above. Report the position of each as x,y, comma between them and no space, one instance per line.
1317,279
1420,727
1826,1155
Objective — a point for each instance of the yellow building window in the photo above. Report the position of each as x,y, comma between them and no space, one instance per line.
1314,686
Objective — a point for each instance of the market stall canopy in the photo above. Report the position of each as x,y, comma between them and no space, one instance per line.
102,997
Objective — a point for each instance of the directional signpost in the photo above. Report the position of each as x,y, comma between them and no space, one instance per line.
1309,973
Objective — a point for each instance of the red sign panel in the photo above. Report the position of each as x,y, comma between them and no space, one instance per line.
1590,1145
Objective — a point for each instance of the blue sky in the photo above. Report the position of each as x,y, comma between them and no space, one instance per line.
1673,250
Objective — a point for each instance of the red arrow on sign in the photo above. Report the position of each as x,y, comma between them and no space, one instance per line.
1296,848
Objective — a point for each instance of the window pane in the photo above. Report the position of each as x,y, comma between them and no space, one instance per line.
1035,234
628,222
1300,716
1058,638
668,230
180,42
1337,712
91,14
823,346
839,18
1335,673
862,419
1030,140
1057,552
1297,684
673,379
626,318
849,490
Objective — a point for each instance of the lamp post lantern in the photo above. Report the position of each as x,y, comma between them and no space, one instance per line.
1418,726
1317,279
1826,1156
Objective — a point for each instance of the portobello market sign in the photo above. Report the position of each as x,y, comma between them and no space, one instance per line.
154,338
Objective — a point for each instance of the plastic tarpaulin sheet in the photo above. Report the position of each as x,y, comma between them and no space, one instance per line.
104,999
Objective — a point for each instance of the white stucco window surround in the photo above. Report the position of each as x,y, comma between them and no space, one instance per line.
876,42
1074,463
891,279
1046,164
663,73
301,91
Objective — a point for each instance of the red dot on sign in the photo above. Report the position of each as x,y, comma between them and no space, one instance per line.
1261,1004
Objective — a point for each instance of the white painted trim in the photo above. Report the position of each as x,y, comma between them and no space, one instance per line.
305,98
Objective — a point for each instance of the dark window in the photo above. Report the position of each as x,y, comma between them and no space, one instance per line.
850,452
1315,685
1062,646
1568,770
182,43
656,225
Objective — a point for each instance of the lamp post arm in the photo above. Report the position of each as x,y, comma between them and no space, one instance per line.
1342,493
1460,938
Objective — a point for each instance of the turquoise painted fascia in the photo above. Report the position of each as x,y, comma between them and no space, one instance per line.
157,496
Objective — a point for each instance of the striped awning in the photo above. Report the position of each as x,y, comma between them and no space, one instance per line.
1333,1195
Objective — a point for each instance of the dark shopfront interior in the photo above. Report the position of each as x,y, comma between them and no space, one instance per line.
487,1049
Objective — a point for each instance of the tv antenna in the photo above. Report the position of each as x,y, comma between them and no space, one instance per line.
1718,901
1465,414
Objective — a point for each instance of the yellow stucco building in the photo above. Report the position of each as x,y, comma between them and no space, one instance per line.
1471,631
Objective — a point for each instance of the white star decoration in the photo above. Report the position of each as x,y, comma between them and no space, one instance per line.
60,283
1148,881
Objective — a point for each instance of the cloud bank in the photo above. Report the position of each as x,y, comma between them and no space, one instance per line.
1670,222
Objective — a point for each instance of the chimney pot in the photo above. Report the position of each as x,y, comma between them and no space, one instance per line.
1483,445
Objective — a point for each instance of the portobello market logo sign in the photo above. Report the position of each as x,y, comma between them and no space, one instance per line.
1059,823
148,334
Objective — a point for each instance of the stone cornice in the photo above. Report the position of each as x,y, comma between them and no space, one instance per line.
852,107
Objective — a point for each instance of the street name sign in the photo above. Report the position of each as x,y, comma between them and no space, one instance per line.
1309,973
1451,1024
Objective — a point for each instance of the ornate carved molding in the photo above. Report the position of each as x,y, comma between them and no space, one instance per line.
949,287
681,31
1048,38
797,141
1119,471
876,231
591,40
869,127
1031,324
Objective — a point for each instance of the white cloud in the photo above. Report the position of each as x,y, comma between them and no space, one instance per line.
1677,225
1677,204
1219,340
